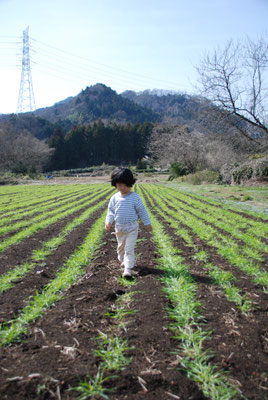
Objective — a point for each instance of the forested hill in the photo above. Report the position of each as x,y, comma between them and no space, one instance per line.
27,122
97,102
171,107
100,102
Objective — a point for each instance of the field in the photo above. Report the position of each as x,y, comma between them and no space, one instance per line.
191,324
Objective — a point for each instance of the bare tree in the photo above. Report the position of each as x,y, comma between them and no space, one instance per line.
170,144
21,148
235,79
194,150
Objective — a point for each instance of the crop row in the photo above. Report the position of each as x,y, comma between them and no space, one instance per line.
188,324
26,209
35,196
42,212
45,221
224,205
68,274
112,348
229,222
224,245
241,222
48,247
188,321
224,279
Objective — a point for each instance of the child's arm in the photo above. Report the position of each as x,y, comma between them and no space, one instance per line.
110,216
143,214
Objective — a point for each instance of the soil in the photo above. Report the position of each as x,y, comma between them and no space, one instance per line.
42,366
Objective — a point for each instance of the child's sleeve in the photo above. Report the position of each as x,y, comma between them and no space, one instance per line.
110,213
142,212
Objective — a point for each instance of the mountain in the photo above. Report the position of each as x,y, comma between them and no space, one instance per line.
101,102
97,102
172,107
39,127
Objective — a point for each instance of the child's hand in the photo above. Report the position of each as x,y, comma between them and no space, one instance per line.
149,228
108,227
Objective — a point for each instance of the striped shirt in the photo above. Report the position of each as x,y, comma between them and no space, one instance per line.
125,211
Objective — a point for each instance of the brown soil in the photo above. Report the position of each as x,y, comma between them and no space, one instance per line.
39,367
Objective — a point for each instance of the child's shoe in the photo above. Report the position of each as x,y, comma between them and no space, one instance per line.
127,273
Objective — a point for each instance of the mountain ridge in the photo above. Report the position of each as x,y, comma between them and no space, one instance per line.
100,102
97,102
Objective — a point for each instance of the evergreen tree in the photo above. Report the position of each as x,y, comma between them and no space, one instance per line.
58,159
76,147
99,143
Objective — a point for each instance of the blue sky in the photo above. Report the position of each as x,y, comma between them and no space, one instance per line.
125,44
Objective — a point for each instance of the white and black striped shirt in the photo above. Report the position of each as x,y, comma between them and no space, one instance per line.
125,210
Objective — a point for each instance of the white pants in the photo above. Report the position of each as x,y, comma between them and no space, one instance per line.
125,247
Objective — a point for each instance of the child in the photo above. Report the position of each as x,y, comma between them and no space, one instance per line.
124,208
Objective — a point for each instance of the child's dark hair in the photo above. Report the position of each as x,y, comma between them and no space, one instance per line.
122,175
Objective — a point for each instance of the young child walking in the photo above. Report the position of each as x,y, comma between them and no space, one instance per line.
124,209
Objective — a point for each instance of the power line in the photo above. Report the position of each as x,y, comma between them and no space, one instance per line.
65,66
109,70
84,71
12,37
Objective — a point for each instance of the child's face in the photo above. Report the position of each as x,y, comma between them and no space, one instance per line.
122,188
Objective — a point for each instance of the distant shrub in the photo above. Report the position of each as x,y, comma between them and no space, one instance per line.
141,165
7,178
247,198
200,177
20,168
29,171
256,169
90,170
176,170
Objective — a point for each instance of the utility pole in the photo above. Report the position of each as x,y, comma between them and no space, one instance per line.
26,100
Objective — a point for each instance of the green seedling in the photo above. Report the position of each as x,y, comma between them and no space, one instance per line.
111,351
128,282
201,256
92,387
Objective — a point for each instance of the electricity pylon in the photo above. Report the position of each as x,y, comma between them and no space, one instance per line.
26,100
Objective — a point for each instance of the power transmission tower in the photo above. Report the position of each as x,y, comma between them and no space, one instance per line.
26,100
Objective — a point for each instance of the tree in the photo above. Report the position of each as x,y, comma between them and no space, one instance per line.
171,144
57,143
235,79
22,151
191,150
76,147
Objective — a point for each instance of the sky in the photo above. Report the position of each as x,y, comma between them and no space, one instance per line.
124,44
